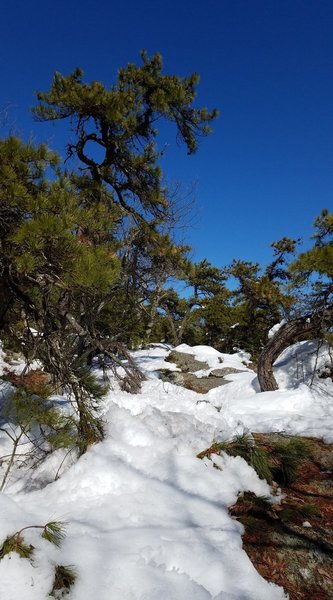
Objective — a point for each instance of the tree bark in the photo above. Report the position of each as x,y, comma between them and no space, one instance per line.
152,312
311,323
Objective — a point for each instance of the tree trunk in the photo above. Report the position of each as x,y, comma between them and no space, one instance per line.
174,330
312,323
152,312
6,301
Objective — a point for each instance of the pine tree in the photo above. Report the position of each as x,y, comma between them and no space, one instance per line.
67,269
262,297
52,280
122,123
311,275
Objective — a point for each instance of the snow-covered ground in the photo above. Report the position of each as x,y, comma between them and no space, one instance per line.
146,519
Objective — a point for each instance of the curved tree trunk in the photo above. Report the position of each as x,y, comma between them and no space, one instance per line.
283,338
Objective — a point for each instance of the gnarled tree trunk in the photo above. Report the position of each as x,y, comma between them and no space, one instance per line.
311,323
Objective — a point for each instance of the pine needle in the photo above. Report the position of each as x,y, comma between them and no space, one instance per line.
15,543
64,578
55,532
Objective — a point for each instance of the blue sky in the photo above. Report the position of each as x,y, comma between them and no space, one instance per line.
267,65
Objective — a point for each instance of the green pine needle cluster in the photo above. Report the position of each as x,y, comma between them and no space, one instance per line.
308,510
243,445
289,456
55,532
15,543
281,463
298,512
26,410
37,420
64,578
88,381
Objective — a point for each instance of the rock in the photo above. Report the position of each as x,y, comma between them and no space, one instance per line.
202,385
174,377
224,371
187,378
190,381
186,362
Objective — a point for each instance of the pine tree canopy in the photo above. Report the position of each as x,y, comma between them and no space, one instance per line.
121,122
314,268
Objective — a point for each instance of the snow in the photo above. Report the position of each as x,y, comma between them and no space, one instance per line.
146,519
275,328
214,358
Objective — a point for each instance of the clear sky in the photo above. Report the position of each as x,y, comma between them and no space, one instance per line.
267,65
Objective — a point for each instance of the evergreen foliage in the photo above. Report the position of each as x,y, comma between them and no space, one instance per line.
32,421
16,544
280,462
310,279
261,297
121,121
313,269
85,255
243,445
64,578
54,532
290,455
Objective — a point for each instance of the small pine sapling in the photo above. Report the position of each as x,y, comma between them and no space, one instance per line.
53,532
29,418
